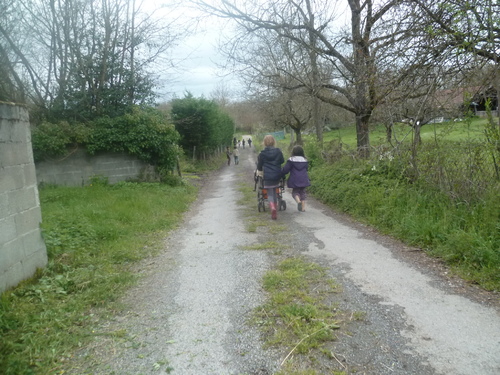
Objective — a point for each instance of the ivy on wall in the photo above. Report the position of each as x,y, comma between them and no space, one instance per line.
145,133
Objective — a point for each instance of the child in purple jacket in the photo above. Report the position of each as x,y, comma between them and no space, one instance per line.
298,180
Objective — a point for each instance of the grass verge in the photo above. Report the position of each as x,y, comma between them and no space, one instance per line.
94,236
466,236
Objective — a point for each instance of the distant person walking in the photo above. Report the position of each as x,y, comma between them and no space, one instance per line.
228,154
243,141
269,162
236,155
298,180
249,142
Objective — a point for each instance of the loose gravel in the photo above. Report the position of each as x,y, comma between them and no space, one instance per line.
190,312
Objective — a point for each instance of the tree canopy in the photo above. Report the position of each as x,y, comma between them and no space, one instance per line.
77,60
203,126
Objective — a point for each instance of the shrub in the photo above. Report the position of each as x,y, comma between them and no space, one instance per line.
53,139
144,133
201,124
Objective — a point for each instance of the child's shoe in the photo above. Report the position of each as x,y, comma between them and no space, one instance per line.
274,214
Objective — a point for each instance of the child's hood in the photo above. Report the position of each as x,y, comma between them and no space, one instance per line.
298,159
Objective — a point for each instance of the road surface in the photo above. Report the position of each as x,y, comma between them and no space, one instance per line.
189,313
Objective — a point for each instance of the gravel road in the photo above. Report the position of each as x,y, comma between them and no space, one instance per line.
189,314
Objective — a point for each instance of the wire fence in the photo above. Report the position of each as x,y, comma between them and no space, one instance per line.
465,171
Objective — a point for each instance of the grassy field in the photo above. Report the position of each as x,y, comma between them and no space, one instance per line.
450,131
94,235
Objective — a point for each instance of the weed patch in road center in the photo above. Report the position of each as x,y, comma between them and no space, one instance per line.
295,315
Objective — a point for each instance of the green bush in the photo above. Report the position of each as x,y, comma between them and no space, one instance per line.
145,133
54,139
201,124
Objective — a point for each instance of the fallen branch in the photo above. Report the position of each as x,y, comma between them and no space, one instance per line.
304,338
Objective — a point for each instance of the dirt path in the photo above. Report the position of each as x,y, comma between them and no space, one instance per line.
189,315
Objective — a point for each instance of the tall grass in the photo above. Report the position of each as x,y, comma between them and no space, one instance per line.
451,208
446,201
93,235
466,236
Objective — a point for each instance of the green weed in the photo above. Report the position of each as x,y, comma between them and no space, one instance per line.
93,235
295,315
269,245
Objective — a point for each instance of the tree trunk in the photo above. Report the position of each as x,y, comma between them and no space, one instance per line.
417,140
313,56
298,136
361,81
388,132
363,135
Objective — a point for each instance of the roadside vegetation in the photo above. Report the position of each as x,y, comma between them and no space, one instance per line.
94,236
442,195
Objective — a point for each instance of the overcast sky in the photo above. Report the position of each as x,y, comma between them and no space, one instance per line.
196,56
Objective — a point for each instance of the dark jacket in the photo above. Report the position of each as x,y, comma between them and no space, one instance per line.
297,167
270,160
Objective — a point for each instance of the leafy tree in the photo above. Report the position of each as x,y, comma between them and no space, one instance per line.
203,126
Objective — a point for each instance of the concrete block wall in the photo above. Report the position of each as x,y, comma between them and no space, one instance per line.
22,249
77,168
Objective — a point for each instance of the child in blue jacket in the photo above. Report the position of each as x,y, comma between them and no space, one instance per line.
298,180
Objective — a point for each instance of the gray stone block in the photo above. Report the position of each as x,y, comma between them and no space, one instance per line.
12,178
28,221
11,111
12,277
8,230
5,131
11,254
9,154
20,133
33,243
4,207
29,175
22,200
33,262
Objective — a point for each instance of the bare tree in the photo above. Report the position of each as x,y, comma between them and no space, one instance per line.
11,85
379,37
276,71
470,27
85,58
221,95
